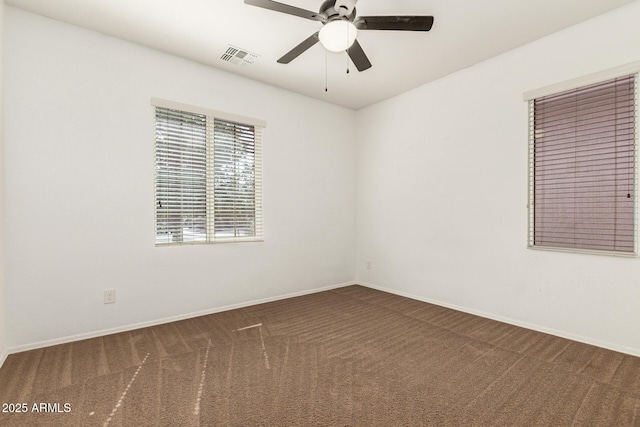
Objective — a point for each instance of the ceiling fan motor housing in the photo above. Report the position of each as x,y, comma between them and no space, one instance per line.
345,7
338,10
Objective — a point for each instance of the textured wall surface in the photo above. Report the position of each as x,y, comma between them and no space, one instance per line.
80,201
442,194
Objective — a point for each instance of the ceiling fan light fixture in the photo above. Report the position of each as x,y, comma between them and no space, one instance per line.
337,36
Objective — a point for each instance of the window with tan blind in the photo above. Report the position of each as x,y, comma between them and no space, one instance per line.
582,168
208,178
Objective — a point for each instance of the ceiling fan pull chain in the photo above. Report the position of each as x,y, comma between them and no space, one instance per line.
347,51
325,72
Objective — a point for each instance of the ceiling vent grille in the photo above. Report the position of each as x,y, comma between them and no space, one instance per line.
237,56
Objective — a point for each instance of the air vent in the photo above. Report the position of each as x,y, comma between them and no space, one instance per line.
238,56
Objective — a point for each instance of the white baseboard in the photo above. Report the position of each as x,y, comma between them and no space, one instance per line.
551,331
109,331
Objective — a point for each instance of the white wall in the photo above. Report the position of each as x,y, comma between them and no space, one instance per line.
79,197
445,162
3,337
442,193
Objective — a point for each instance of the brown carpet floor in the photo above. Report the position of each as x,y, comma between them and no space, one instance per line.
347,357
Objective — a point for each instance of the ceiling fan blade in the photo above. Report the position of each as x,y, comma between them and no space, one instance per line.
398,23
358,57
298,50
285,8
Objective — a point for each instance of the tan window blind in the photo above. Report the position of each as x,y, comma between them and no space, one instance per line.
582,168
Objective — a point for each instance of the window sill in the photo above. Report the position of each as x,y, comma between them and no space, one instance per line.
584,251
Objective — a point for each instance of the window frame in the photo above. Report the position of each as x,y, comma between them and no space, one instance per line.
632,69
211,117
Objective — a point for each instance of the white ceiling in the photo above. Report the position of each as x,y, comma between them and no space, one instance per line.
464,32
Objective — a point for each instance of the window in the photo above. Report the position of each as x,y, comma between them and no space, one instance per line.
208,176
582,168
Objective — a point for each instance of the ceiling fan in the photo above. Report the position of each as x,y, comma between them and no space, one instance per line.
340,27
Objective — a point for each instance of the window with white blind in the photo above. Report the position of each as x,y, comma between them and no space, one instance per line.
208,177
582,168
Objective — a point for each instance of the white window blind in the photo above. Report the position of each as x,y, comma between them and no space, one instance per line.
208,179
582,168
237,195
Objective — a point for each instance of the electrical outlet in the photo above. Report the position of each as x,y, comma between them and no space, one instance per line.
109,296
368,264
